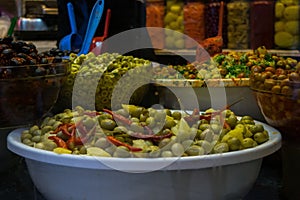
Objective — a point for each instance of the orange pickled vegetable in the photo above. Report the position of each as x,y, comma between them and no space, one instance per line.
194,25
155,18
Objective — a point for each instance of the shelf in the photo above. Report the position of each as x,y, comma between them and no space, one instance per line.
192,52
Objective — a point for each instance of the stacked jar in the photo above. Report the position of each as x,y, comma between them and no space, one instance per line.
262,24
155,11
173,22
238,25
287,24
194,22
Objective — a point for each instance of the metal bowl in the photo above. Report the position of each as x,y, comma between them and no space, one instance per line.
31,24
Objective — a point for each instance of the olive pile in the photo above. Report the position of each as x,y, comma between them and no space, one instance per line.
110,69
17,53
232,64
135,131
277,91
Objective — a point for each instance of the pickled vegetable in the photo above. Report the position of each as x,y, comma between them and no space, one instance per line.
131,137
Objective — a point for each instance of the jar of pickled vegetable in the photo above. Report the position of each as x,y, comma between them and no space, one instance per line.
238,25
155,11
194,26
287,24
173,22
212,8
262,24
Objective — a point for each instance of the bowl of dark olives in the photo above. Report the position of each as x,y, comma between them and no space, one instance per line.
29,82
277,91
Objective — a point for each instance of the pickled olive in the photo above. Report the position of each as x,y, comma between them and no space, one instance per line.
49,145
249,143
169,123
231,121
203,127
40,145
256,128
108,124
33,128
166,154
122,152
177,149
195,150
138,139
36,138
176,115
261,137
233,144
221,148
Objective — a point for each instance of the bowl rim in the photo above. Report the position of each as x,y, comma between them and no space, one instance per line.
145,164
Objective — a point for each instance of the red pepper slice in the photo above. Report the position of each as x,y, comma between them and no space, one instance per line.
119,143
59,142
118,117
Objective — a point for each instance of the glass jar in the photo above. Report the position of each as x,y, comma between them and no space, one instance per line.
194,21
286,26
212,8
262,24
238,25
155,11
173,22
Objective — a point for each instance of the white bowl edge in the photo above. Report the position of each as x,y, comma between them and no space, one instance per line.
146,164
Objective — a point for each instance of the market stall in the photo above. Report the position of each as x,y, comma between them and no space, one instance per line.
153,104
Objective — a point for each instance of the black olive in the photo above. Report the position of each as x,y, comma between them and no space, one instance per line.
7,53
44,60
17,61
25,49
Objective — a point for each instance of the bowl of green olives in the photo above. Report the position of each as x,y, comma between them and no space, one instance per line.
83,153
29,82
277,92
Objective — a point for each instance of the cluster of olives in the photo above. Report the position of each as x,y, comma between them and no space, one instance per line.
135,131
17,53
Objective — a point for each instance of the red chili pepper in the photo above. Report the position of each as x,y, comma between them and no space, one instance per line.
58,141
119,143
118,117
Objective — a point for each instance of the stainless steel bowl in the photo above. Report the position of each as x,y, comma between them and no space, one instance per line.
31,24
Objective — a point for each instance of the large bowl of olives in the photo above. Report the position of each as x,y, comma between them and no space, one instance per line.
187,157
29,82
277,92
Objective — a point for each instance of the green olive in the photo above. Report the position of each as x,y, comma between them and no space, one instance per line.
166,154
221,148
169,123
176,115
49,145
177,149
108,124
102,143
121,152
234,144
36,138
46,129
248,143
261,137
33,128
195,150
257,128
40,145
231,121
203,127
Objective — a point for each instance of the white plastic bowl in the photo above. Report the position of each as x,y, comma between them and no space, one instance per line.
217,176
